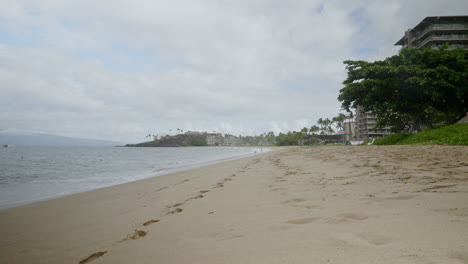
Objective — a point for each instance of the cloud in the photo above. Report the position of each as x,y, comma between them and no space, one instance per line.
124,69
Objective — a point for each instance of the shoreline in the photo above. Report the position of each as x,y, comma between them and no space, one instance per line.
144,175
342,204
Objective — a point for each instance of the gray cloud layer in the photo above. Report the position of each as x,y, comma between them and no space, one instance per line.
123,69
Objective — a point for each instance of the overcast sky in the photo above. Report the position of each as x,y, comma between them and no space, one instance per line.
121,69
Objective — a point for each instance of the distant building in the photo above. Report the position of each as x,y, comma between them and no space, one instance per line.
230,140
350,127
433,32
218,139
365,126
214,139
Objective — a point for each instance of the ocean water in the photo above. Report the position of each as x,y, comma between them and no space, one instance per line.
29,174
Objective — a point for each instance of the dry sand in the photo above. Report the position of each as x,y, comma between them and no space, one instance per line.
353,204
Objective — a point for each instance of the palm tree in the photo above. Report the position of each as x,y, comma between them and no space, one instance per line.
327,126
338,121
321,123
314,129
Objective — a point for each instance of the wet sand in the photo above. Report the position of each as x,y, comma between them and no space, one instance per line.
340,204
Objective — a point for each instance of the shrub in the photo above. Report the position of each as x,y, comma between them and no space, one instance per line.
456,134
391,139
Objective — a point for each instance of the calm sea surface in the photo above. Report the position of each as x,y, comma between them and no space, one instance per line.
29,174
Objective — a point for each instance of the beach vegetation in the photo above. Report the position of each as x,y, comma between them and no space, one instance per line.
456,134
181,140
418,88
289,139
392,139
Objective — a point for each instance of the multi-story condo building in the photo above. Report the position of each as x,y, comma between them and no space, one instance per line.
365,126
433,32
214,139
350,127
230,140
218,139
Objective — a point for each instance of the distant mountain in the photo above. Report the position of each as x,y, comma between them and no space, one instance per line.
37,139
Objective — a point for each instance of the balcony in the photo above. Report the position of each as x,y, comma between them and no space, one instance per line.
440,27
442,38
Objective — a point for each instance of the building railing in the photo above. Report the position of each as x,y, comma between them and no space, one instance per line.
442,39
440,27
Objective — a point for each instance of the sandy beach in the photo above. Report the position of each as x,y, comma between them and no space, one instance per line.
337,204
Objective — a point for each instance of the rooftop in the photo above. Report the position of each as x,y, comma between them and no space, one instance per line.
434,20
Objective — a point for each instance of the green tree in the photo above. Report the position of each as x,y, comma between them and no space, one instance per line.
417,86
325,126
270,137
314,129
339,120
322,126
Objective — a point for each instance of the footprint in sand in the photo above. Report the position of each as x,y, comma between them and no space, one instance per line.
150,222
180,204
186,180
92,257
364,239
138,234
204,191
401,197
160,189
311,206
355,216
177,210
375,239
197,197
290,173
302,221
277,189
342,218
295,200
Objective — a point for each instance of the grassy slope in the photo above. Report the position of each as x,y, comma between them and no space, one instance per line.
456,134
